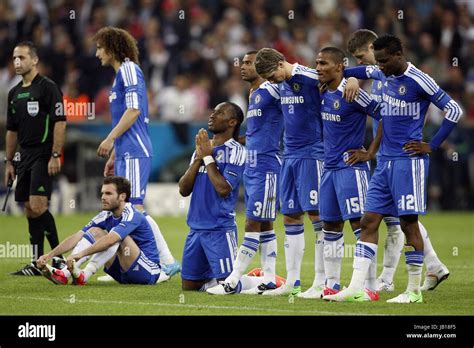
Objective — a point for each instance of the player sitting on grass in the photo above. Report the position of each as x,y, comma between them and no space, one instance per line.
120,238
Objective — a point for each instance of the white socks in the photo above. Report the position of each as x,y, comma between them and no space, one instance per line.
414,261
163,250
364,255
430,257
319,274
210,284
393,249
371,277
268,254
333,253
244,256
294,251
99,259
83,244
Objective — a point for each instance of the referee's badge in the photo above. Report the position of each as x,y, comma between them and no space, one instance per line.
33,108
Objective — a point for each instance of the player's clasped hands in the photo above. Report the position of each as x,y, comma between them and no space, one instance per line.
203,144
417,148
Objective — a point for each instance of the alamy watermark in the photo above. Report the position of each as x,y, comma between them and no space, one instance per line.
18,251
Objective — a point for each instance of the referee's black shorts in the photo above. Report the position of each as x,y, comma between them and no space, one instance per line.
32,174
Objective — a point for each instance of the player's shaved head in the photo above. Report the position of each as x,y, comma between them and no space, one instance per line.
335,54
235,112
360,40
391,44
267,60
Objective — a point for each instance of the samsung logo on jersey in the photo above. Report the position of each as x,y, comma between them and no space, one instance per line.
292,100
254,112
330,117
376,97
404,109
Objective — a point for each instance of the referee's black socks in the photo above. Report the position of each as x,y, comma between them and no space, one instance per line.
41,226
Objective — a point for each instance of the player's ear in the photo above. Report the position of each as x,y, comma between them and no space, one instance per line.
232,122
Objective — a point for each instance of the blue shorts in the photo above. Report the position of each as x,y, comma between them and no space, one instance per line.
142,271
398,187
261,194
299,185
137,171
343,194
209,255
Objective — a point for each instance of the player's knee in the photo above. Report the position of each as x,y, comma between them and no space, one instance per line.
335,226
97,232
253,226
35,210
293,218
367,223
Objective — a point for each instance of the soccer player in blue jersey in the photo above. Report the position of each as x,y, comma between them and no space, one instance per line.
398,187
261,180
120,238
128,145
213,178
302,165
343,186
360,45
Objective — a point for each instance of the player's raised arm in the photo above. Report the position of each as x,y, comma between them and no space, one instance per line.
220,184
364,72
186,182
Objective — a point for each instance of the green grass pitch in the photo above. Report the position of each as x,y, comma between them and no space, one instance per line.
451,234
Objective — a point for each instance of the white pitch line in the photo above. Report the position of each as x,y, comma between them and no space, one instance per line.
257,309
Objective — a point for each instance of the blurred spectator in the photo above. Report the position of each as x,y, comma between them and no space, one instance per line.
190,53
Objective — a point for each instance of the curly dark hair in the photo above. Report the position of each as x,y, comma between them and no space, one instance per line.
117,42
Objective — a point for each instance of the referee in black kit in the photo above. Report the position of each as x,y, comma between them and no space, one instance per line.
36,122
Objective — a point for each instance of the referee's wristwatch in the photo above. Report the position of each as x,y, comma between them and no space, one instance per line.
55,154
5,160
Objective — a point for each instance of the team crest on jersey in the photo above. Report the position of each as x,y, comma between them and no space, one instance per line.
33,108
219,156
336,105
379,85
296,87
257,99
402,90
112,97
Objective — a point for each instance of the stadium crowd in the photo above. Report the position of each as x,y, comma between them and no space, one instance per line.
190,52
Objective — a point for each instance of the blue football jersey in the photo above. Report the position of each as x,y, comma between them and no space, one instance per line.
208,211
131,223
376,94
264,128
129,92
344,125
405,100
300,104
